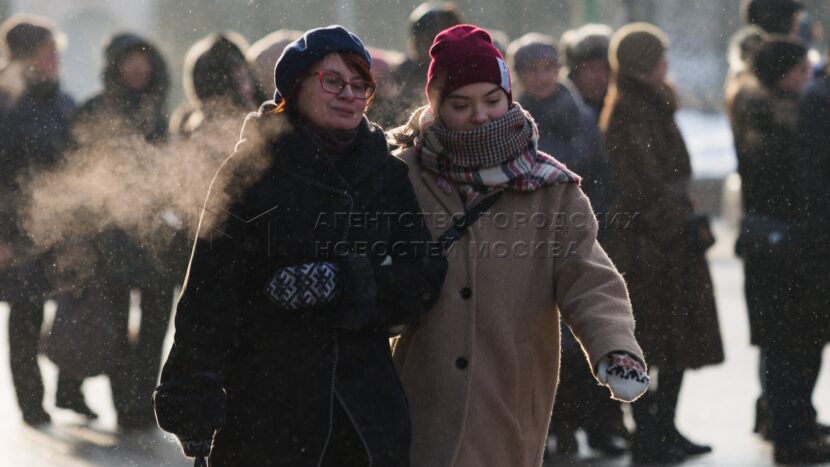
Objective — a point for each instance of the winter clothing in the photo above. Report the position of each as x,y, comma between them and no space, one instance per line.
661,253
143,110
312,47
531,48
33,134
499,155
466,409
624,375
677,324
213,70
775,58
286,371
588,42
463,55
22,35
123,262
579,46
766,142
814,133
636,49
569,130
773,16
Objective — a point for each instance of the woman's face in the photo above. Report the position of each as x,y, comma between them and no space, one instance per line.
44,65
342,111
472,106
136,70
540,79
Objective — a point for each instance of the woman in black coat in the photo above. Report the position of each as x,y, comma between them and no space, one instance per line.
311,249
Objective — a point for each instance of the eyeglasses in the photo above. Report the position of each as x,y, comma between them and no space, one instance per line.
334,84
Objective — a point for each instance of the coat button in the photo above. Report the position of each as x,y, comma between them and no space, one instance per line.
461,363
466,293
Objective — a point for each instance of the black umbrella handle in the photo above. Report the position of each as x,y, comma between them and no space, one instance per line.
200,462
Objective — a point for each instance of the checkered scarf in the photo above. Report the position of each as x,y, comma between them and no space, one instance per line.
500,155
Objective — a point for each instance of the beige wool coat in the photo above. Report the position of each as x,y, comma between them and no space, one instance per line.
480,369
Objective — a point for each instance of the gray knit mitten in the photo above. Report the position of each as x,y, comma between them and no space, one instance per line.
304,285
624,374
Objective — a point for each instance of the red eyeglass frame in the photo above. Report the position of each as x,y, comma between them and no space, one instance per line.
321,74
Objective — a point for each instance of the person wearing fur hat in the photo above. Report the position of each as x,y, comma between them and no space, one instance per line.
480,371
311,249
662,254
586,63
568,129
775,249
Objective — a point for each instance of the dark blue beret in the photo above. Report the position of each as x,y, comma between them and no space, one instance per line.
315,44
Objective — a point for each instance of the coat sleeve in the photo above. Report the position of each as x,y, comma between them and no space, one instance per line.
206,310
400,291
590,293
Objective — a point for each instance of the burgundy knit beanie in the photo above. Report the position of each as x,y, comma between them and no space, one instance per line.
466,54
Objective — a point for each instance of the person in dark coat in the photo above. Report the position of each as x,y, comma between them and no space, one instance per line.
425,22
782,323
586,65
661,255
292,292
34,128
133,103
568,129
219,83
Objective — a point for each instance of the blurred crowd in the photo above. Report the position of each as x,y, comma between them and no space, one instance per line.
604,107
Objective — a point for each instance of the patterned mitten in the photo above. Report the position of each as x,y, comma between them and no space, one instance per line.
624,374
304,285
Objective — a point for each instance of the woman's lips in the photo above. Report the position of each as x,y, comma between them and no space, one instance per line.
343,112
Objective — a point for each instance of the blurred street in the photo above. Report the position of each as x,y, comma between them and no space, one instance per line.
716,404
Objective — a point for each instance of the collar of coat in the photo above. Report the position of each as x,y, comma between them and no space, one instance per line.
661,98
295,151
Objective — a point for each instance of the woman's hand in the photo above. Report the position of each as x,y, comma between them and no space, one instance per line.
624,374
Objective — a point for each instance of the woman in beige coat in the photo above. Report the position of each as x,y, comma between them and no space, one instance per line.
480,370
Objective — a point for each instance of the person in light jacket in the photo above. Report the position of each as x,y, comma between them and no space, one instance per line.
480,370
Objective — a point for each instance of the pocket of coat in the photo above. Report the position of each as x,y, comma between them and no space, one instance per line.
525,391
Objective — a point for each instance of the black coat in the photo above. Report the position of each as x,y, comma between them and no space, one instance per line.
283,370
568,131
814,138
143,112
774,198
33,135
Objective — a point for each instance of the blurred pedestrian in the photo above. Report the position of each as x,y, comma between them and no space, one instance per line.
662,253
263,54
286,314
568,129
586,65
773,16
774,249
385,106
425,21
480,371
34,129
132,104
219,84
